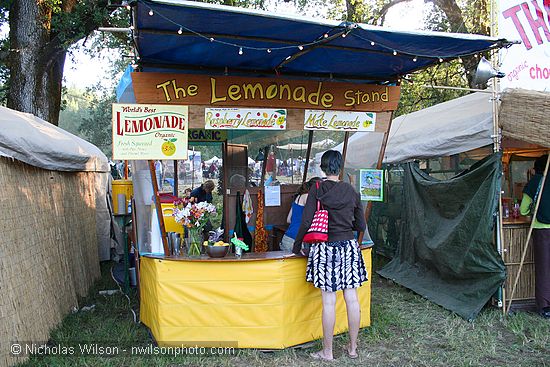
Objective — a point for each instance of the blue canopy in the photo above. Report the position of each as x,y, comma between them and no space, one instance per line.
215,39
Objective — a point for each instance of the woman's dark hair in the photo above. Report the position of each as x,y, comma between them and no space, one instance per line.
540,164
331,162
304,188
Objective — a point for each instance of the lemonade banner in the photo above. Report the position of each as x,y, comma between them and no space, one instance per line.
339,120
142,131
371,184
245,119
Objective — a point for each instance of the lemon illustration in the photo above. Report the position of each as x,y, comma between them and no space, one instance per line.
168,147
281,120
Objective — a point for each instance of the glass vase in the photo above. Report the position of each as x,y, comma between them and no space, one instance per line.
194,242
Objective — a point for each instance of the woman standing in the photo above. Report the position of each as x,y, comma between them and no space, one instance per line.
294,217
337,264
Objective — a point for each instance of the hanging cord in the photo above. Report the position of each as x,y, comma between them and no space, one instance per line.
125,295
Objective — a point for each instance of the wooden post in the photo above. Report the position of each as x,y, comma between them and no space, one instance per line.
308,153
125,170
159,208
534,215
368,209
176,178
344,154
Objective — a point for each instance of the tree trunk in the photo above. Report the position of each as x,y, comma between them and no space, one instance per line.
36,65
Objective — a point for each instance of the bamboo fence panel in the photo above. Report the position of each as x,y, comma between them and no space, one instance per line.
514,237
48,249
524,116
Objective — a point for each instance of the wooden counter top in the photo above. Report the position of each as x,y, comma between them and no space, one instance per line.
254,256
512,221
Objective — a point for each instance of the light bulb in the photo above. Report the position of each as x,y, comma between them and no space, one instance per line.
180,31
211,39
415,59
343,35
300,47
326,35
240,50
372,43
394,53
440,59
268,50
151,12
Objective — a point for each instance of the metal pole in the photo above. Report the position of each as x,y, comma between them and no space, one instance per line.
306,165
344,153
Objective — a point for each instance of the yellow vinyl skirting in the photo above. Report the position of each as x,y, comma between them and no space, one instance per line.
247,304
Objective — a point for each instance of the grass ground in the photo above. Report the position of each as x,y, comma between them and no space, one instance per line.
406,330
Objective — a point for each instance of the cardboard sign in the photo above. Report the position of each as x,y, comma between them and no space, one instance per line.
149,131
339,120
371,184
244,119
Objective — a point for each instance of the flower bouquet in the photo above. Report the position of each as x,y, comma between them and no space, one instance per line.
193,216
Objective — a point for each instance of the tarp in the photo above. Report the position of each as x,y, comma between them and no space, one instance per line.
38,143
448,128
207,38
446,252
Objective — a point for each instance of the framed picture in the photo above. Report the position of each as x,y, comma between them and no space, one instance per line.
371,184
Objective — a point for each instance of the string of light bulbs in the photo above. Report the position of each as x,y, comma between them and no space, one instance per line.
240,47
347,30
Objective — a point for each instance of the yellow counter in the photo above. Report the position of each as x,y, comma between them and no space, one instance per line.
259,301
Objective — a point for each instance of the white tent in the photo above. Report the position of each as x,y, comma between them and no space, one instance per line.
212,160
445,129
323,144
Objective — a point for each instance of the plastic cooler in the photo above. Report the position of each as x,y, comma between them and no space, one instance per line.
122,187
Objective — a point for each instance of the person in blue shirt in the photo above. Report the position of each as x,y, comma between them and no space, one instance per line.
294,217
203,192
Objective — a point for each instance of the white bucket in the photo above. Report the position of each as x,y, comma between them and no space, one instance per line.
121,204
156,239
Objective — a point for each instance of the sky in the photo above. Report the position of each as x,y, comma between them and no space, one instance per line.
82,71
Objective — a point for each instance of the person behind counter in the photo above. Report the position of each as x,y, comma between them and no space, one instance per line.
541,234
294,217
203,192
337,264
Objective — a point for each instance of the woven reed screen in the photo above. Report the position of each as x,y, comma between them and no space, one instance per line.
524,115
48,249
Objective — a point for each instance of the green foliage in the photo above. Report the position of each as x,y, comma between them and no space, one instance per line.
97,126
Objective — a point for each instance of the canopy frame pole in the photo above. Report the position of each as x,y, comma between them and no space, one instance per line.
308,154
533,217
159,208
344,154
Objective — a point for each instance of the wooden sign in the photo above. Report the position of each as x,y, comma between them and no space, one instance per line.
245,119
219,91
149,131
339,120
